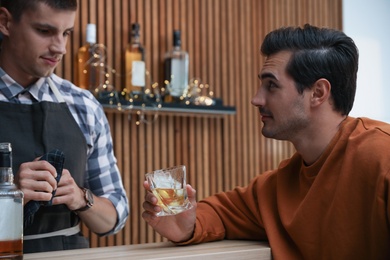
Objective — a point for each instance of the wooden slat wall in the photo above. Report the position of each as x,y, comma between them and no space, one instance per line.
223,39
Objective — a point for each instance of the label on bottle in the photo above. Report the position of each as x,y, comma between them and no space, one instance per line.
179,77
138,73
11,219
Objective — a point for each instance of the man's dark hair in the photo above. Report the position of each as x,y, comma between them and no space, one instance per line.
18,7
318,53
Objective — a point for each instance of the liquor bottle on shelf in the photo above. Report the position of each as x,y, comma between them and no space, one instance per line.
176,70
135,65
11,204
90,72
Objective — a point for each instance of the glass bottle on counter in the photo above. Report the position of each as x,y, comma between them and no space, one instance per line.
176,64
90,73
135,65
11,204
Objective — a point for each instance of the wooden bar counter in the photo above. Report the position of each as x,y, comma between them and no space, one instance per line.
226,249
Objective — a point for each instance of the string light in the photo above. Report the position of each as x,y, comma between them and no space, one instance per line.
150,101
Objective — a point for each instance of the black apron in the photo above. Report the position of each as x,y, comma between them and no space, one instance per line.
34,130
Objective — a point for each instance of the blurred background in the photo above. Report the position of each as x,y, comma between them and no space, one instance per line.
367,22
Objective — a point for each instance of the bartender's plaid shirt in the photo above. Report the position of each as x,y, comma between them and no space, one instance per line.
102,173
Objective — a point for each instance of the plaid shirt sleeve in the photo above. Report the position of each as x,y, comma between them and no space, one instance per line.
102,175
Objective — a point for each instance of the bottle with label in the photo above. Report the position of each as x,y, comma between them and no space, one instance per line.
176,70
90,72
11,204
135,65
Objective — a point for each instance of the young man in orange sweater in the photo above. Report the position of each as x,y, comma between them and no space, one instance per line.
331,199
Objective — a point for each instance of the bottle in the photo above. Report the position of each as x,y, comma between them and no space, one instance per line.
176,70
90,74
135,65
11,204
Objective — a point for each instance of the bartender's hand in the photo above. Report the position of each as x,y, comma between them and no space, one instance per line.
100,218
37,180
177,228
68,192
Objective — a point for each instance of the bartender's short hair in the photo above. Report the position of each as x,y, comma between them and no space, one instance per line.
18,7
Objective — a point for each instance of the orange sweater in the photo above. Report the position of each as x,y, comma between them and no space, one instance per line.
337,208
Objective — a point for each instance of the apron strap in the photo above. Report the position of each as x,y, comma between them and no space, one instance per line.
64,232
55,90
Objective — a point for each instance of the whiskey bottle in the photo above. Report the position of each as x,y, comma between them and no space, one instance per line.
90,74
11,204
176,70
135,65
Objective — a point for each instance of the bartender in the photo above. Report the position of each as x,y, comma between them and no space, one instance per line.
39,112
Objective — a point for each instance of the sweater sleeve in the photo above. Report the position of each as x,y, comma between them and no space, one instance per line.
229,215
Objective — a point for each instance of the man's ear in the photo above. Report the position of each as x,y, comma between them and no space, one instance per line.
5,19
320,92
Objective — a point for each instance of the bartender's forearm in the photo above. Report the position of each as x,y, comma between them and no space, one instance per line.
101,217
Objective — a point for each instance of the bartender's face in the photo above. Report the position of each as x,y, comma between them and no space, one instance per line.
36,43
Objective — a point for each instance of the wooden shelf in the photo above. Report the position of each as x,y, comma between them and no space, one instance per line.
174,109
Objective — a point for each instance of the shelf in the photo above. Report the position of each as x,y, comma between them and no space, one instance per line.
170,108
176,109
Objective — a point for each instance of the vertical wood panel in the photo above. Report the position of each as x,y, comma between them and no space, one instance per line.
223,39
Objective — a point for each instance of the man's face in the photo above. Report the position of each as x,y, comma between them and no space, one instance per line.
36,43
284,112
